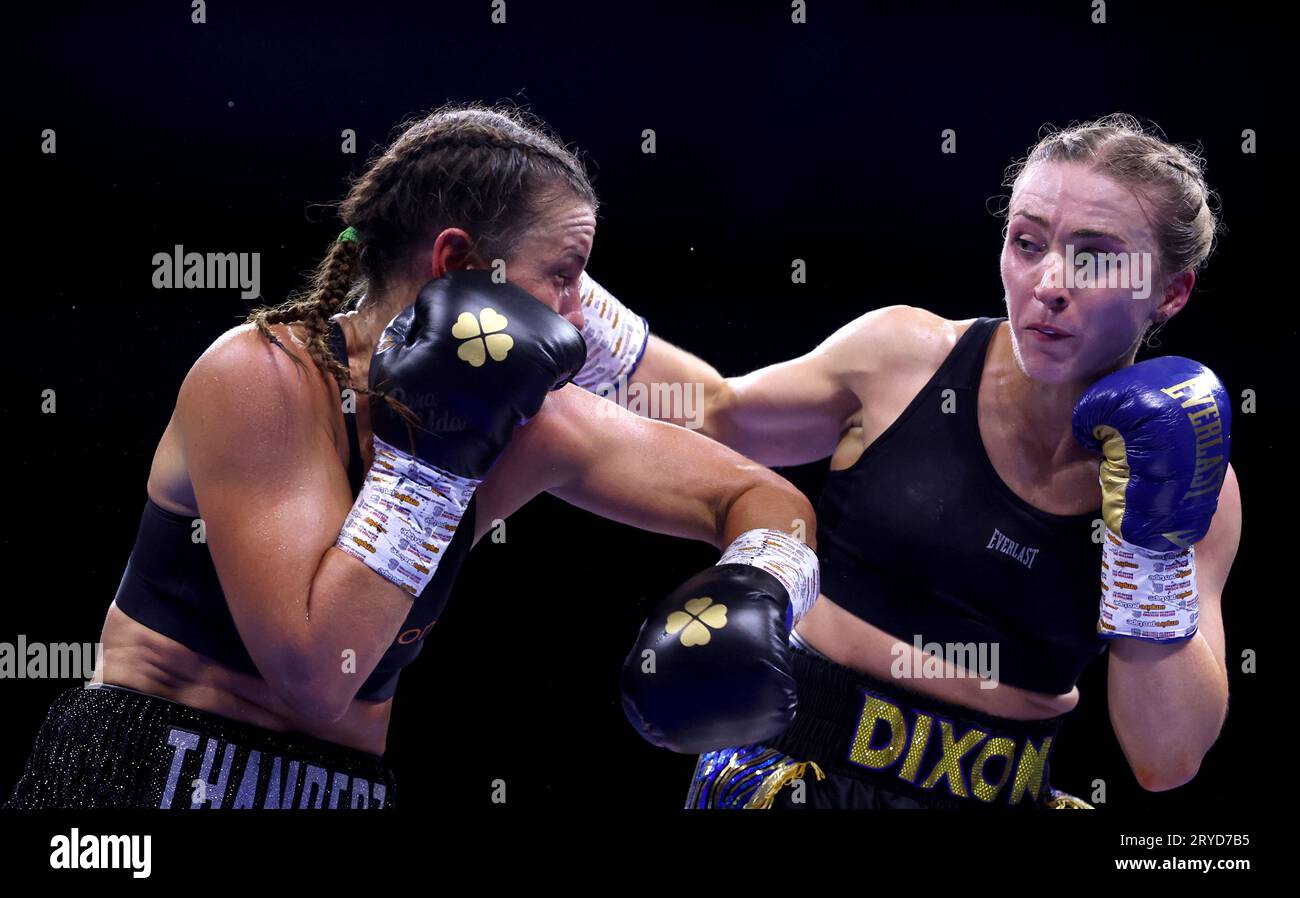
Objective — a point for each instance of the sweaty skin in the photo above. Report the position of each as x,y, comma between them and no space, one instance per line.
262,447
1167,702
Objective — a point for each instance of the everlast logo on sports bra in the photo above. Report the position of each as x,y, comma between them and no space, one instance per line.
1000,542
888,734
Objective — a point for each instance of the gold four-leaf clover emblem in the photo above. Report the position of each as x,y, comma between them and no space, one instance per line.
482,336
697,621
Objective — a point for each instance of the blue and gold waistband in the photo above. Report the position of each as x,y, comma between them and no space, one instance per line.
745,777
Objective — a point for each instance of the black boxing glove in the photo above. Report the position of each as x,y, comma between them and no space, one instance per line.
710,668
471,359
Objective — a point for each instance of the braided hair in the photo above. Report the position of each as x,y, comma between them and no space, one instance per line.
490,171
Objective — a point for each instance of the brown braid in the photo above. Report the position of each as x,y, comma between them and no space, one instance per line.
331,284
490,171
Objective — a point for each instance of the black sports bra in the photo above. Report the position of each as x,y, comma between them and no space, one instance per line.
171,586
923,539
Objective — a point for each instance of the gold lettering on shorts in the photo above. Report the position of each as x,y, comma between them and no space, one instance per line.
916,751
997,747
950,764
1029,772
878,711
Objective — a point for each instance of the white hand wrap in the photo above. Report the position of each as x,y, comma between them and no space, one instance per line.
616,337
403,519
1145,594
785,558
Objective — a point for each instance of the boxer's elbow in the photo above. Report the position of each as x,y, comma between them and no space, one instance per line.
314,692
1170,759
320,706
1161,775
764,499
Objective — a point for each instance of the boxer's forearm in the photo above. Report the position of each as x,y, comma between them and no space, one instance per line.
1167,705
665,365
787,413
769,506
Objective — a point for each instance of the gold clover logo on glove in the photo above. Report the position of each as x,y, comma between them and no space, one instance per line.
697,621
481,337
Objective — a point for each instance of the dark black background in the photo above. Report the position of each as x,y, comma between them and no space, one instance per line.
775,141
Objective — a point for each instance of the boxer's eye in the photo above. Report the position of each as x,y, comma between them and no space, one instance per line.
1021,242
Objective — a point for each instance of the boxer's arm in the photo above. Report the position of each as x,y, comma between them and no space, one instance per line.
644,473
273,496
795,411
1168,700
664,363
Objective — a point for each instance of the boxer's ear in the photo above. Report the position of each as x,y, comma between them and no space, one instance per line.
453,250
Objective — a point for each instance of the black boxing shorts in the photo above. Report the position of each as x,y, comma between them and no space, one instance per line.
859,742
112,747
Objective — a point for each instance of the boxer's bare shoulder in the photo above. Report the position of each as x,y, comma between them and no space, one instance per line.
243,355
892,344
893,353
239,380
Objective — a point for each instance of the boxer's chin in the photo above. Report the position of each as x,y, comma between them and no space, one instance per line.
1040,368
1049,373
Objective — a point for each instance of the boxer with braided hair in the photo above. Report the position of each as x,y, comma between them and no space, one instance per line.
343,451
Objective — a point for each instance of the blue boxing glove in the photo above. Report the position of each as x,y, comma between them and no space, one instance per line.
1163,426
